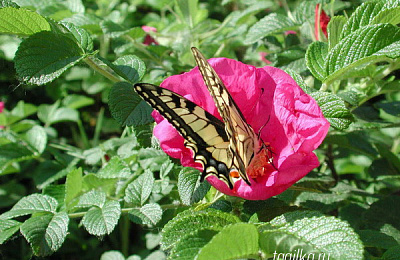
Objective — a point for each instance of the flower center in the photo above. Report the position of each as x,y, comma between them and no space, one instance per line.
261,164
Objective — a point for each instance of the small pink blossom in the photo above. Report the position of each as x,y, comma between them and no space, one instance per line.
262,57
321,22
290,32
148,39
1,111
294,124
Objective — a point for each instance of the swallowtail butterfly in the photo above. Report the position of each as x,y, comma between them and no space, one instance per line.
225,149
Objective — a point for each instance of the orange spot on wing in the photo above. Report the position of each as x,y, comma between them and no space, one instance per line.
234,174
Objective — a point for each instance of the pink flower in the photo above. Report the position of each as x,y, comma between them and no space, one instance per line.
148,39
290,32
1,111
321,22
294,124
262,57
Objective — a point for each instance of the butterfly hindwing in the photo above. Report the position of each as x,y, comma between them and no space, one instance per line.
204,134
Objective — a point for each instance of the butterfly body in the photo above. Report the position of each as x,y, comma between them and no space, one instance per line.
225,149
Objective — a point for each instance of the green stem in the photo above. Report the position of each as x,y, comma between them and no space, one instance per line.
99,124
82,132
89,61
125,234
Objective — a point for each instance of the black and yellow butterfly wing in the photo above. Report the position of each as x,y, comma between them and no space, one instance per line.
204,134
243,140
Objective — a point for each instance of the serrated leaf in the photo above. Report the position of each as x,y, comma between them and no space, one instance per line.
7,228
37,138
112,255
46,233
316,59
81,35
21,21
334,109
188,181
127,107
334,30
190,221
140,189
92,198
270,24
149,214
129,67
188,248
73,186
44,56
31,204
115,168
367,14
369,44
221,245
92,181
311,232
101,221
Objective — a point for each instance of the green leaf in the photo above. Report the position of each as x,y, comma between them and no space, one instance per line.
129,67
92,198
270,24
44,56
46,233
391,16
149,214
188,182
20,111
334,109
311,232
127,107
37,138
224,245
373,238
392,254
81,35
12,153
8,3
100,221
187,11
31,204
316,59
112,255
115,168
7,228
367,14
51,114
140,189
374,217
367,45
334,29
77,101
73,186
189,247
190,221
21,22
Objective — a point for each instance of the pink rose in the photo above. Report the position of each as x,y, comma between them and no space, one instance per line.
148,39
294,124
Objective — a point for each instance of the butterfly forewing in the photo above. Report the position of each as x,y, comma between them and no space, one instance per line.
241,135
204,134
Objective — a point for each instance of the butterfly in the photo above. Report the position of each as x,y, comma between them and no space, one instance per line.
226,149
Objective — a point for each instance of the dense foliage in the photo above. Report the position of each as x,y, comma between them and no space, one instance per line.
81,176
